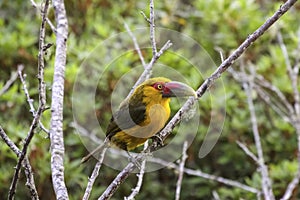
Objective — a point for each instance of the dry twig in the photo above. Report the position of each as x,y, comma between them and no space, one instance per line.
266,183
28,170
181,170
13,78
56,124
136,45
42,103
293,72
140,176
47,19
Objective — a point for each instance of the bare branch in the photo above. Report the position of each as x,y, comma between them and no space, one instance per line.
111,189
266,183
201,174
13,78
291,187
140,176
156,55
30,101
136,45
147,72
293,74
28,170
145,17
281,106
260,80
216,195
95,173
181,170
276,105
152,28
56,124
42,103
47,19
247,151
297,60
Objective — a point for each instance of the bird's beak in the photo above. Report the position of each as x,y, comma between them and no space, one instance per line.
178,89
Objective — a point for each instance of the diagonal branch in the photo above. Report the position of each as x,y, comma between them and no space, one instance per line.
29,100
95,172
122,176
201,174
136,45
13,78
28,170
248,152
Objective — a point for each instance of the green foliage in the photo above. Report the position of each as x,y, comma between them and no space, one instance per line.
216,25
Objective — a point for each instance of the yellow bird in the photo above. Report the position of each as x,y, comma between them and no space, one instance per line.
144,113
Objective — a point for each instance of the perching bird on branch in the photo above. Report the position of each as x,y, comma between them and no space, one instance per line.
143,114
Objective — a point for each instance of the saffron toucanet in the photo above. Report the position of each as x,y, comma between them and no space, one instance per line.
144,113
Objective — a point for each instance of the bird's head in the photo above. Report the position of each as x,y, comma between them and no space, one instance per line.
161,88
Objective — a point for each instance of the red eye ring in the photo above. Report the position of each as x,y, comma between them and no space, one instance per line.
158,86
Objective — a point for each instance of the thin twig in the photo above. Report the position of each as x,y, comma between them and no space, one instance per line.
29,100
260,80
140,176
147,72
57,148
181,170
215,195
200,92
13,78
201,174
136,45
156,55
293,74
275,105
266,183
95,173
145,17
152,28
47,19
248,152
28,170
42,103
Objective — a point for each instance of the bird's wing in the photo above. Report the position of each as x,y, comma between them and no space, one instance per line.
128,116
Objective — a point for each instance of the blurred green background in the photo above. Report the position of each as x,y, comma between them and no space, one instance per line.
216,25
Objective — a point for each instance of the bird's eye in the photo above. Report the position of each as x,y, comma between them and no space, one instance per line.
159,86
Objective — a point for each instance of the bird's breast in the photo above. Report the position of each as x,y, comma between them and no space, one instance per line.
156,116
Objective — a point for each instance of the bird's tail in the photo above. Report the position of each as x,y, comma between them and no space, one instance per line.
98,149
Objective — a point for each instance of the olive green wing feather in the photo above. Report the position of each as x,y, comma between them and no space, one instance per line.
128,116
